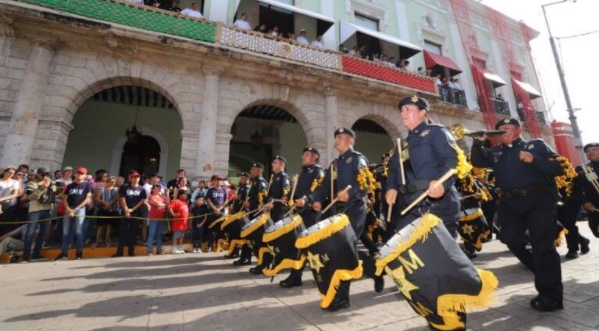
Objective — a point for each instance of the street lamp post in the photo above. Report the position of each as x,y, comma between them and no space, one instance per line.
562,78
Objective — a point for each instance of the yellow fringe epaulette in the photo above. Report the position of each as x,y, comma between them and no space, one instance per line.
566,180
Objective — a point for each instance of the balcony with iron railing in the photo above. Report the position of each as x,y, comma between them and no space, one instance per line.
501,106
202,30
452,95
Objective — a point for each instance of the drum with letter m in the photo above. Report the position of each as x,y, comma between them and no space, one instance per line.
332,252
280,239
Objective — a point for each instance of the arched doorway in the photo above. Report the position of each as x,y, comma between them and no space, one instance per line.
372,139
141,154
98,139
262,131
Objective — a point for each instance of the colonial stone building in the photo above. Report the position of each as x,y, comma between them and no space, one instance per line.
76,75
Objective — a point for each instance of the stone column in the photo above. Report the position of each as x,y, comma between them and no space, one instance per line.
208,124
332,123
18,145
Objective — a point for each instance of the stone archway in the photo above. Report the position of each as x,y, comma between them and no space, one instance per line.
119,144
98,137
372,138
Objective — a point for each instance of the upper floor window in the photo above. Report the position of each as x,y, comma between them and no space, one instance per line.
366,22
432,47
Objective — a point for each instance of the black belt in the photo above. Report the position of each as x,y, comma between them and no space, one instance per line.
415,186
523,192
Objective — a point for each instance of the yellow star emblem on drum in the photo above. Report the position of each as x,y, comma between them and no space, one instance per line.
399,275
314,260
468,229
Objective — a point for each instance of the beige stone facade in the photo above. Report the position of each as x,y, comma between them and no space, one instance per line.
52,62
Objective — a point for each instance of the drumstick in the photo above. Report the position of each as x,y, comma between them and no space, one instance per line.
336,199
403,178
294,178
440,182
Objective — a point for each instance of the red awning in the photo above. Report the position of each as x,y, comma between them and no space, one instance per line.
432,59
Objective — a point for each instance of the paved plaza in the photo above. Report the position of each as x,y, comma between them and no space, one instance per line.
203,292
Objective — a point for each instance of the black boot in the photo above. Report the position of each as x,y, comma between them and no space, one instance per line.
545,304
379,284
290,282
572,254
242,261
584,245
337,305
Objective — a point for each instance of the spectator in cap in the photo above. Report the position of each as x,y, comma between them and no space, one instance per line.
77,196
40,193
216,196
179,210
302,37
132,198
67,175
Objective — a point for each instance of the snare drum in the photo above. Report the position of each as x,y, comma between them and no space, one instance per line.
473,227
232,227
332,252
433,274
280,238
253,232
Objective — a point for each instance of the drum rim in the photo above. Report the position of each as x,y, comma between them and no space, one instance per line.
270,236
418,233
470,217
323,233
232,218
253,227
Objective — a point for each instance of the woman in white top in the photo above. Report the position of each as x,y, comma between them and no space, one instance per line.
242,22
9,188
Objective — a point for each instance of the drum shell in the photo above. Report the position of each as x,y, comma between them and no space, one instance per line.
233,230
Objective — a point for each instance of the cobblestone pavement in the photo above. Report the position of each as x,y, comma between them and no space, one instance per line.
205,292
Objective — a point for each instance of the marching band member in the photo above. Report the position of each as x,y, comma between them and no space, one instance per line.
256,194
586,186
350,168
276,200
524,172
309,180
432,153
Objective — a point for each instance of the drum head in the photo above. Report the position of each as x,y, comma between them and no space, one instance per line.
280,224
322,224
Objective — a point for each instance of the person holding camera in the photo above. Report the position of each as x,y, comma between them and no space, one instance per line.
41,194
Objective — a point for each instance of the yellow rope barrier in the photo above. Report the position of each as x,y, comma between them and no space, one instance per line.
105,217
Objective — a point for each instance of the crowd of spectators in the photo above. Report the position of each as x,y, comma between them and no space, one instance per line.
69,206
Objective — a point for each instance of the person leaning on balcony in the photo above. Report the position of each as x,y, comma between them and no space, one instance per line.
302,38
174,6
138,2
438,80
242,22
193,11
318,42
275,31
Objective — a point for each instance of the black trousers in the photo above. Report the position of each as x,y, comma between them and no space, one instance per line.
535,213
594,222
357,218
489,209
128,228
567,214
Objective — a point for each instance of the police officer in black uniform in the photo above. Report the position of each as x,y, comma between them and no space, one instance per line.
256,195
524,172
432,154
309,179
237,206
585,192
278,192
352,202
